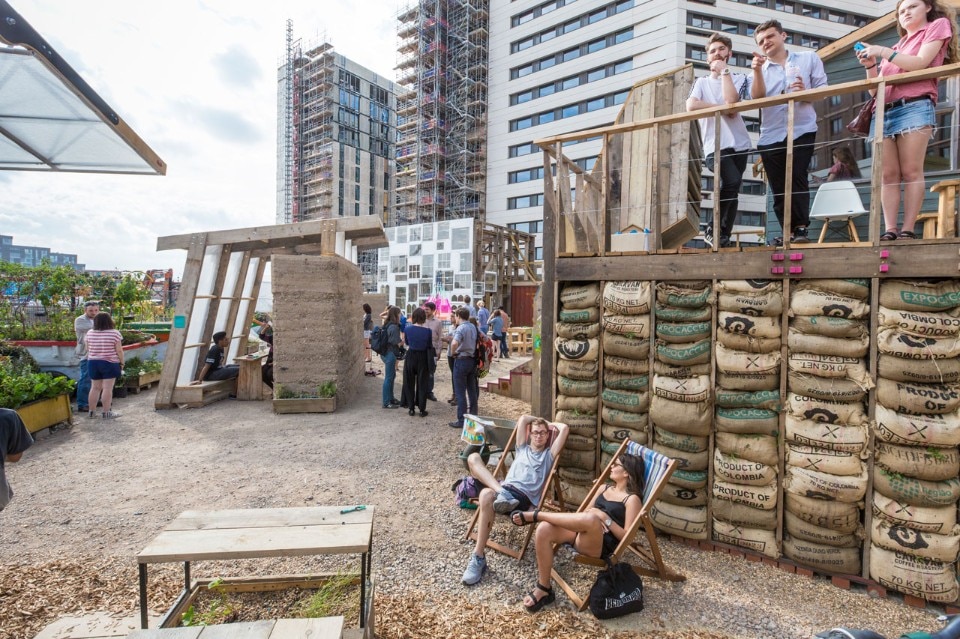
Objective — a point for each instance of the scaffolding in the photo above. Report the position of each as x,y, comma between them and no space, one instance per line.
441,111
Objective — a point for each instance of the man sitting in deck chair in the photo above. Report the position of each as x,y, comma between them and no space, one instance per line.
520,489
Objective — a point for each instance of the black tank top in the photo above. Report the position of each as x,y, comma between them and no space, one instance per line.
617,511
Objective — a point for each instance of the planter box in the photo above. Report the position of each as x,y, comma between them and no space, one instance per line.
46,412
306,405
142,381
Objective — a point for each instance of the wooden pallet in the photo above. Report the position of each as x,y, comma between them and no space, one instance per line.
198,395
138,388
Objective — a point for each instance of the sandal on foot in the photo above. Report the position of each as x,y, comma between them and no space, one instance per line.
550,597
888,236
907,235
523,522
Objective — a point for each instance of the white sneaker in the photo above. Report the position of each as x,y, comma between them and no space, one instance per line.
505,503
475,569
111,414
91,414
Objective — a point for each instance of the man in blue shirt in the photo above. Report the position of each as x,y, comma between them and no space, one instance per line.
462,347
483,316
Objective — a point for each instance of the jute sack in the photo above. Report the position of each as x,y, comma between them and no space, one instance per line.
742,471
681,417
759,497
930,580
748,399
578,349
637,326
855,288
834,462
825,411
578,331
829,326
670,370
630,401
574,493
918,295
844,561
814,302
617,364
749,286
906,397
689,478
686,443
806,432
892,342
935,519
683,521
735,361
684,354
756,304
673,314
680,496
916,492
625,381
688,461
605,459
822,345
748,343
810,483
748,421
919,371
753,539
608,447
938,325
684,297
682,332
930,464
582,459
832,389
615,417
834,515
580,295
579,316
749,381
580,442
579,404
577,370
853,368
624,346
619,433
580,423
918,430
748,325
577,387
757,448
806,531
576,475
915,542
627,297
743,515
687,390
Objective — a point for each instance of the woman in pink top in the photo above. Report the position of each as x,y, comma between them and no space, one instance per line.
928,39
105,363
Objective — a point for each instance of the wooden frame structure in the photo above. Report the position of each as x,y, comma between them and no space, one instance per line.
221,284
508,253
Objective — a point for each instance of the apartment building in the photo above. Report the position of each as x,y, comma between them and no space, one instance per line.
35,255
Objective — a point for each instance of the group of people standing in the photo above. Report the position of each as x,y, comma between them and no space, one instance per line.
928,39
100,350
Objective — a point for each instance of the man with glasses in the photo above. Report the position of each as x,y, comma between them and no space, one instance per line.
520,489
81,326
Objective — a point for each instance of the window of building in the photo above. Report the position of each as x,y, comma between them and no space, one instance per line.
443,260
413,271
525,201
518,150
595,104
415,234
466,265
398,264
443,232
402,234
428,237
460,240
463,280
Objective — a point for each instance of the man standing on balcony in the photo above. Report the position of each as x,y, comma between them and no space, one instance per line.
722,87
777,71
81,326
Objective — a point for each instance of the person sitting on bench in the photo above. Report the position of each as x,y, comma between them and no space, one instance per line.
520,489
213,369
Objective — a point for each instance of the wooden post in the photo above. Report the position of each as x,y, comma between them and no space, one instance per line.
876,175
548,292
788,179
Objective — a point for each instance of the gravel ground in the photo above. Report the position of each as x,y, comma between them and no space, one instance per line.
89,497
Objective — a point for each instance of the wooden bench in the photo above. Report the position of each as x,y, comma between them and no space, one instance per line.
943,222
198,395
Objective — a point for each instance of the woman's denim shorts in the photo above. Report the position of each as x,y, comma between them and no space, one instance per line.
906,118
102,369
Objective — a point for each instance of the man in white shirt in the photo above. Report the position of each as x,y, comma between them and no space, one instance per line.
722,87
777,71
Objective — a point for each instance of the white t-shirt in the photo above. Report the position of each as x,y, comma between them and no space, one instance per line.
733,132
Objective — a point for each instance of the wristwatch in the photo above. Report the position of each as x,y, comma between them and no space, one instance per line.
725,72
608,521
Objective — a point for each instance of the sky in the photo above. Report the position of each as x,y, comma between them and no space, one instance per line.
197,81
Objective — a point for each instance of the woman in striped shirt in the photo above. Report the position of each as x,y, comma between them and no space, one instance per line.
105,363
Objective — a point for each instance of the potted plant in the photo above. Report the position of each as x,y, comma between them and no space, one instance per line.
322,400
40,399
139,373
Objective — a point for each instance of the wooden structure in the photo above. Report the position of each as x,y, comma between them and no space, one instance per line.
318,628
502,257
221,284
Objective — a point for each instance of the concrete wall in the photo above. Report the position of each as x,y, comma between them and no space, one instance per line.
318,332
377,301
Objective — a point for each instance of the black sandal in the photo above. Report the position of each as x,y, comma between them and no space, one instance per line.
888,236
907,235
524,522
550,597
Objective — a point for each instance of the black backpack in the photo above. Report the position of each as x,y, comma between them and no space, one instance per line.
378,340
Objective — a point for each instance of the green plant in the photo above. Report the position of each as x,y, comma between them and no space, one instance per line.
327,389
19,386
219,611
334,597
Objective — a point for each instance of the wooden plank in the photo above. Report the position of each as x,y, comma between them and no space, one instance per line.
322,628
280,235
246,543
245,630
266,517
167,633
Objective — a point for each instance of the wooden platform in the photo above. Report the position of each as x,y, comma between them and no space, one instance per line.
320,628
198,395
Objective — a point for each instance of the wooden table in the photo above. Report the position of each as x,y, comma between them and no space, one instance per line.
255,533
321,628
250,381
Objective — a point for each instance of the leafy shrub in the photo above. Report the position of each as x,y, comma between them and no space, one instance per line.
19,386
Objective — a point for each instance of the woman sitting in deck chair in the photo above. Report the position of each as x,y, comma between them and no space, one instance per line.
595,532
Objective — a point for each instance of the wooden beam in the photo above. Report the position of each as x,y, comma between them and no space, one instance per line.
548,291
355,228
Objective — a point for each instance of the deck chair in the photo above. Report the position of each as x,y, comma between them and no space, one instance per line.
657,470
550,487
837,201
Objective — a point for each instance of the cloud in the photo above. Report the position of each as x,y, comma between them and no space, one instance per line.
237,67
224,125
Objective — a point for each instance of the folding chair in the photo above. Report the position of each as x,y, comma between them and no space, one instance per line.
657,469
500,472
835,201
